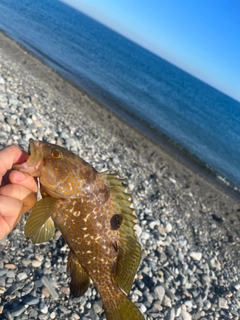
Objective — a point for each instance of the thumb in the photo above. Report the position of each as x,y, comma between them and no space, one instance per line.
24,180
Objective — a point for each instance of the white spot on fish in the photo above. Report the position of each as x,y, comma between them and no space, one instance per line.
99,225
76,213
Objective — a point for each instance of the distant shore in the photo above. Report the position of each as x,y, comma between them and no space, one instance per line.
187,218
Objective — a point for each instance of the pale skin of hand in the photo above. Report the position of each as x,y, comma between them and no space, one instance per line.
18,191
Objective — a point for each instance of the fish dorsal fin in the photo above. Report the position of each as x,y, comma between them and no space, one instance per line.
79,279
40,226
129,250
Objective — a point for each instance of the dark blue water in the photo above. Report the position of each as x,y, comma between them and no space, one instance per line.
147,91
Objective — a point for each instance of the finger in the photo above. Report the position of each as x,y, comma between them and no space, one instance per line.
17,177
10,210
9,156
24,195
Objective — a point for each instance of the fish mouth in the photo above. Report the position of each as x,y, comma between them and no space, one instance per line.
35,161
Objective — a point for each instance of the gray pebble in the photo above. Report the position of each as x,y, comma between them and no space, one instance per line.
159,292
30,300
97,306
43,308
12,289
3,272
170,315
11,274
18,310
22,276
223,303
185,315
196,255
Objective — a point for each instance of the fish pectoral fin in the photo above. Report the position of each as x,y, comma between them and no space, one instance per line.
40,226
79,279
123,221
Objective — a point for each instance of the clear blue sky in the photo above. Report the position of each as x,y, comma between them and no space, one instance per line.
201,37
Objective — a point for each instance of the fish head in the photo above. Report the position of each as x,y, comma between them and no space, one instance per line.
55,167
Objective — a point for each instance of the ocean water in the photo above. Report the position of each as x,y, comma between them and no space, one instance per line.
153,95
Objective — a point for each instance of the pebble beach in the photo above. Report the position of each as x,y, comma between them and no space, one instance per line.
187,225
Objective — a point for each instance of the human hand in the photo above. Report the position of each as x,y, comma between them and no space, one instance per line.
18,191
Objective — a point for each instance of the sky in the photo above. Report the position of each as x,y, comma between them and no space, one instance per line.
201,37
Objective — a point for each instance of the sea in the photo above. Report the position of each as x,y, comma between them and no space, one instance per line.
156,97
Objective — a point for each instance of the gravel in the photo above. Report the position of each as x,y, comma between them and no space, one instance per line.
187,227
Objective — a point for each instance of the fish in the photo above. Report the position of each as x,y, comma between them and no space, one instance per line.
95,216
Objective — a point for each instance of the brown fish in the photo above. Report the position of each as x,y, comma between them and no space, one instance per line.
94,215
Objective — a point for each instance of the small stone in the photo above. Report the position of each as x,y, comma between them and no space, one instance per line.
18,310
10,274
143,308
196,255
154,223
97,307
170,315
33,314
13,101
2,282
43,308
22,276
36,263
3,272
222,303
12,289
138,230
45,292
116,160
30,300
185,315
65,290
2,81
11,121
145,235
167,302
168,227
10,266
159,292
64,310
37,123
26,262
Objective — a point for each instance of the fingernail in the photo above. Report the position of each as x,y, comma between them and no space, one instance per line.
19,176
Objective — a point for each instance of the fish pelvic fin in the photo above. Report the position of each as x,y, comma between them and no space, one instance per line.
40,226
120,307
79,279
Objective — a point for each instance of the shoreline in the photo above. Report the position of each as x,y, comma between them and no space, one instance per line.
188,226
173,149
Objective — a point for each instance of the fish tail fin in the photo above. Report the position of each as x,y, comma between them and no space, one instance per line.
120,307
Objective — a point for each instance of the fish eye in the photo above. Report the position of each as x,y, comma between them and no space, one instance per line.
56,153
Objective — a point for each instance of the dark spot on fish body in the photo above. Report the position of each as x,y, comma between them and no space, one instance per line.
116,221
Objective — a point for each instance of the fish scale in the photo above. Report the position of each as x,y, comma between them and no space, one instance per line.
95,217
